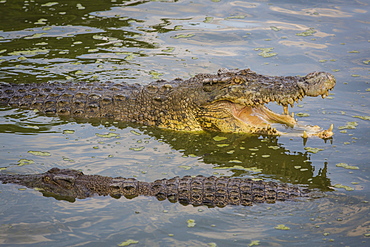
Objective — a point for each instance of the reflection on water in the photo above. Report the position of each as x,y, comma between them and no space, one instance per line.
140,41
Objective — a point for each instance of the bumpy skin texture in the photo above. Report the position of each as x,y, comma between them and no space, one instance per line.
230,101
211,191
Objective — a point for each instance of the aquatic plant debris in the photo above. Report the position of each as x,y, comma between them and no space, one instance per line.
239,167
219,138
363,117
39,153
137,148
128,242
341,186
23,162
346,166
182,36
191,222
349,125
282,227
109,135
308,32
266,52
313,150
254,243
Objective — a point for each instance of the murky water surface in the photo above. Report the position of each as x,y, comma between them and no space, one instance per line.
140,41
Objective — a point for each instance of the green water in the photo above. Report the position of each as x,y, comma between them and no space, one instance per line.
141,41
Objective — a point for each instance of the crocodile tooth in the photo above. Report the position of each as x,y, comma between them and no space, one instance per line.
331,127
305,135
286,110
292,114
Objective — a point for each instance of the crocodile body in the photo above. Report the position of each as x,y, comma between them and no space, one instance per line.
211,191
230,101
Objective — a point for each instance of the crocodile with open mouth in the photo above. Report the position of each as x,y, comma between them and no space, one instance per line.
230,101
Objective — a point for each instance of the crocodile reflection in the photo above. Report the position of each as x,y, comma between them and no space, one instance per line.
263,156
237,155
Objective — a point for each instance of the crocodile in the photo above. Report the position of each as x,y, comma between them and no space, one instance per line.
229,101
69,185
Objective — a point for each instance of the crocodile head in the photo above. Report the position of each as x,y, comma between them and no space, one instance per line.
236,101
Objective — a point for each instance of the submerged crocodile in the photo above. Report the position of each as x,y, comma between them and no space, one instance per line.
230,101
66,184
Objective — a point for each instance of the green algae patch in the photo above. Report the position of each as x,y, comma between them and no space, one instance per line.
183,36
346,166
185,167
23,162
366,62
49,4
349,125
28,52
208,19
68,131
363,117
169,49
155,74
341,186
313,150
137,148
282,227
3,168
39,153
276,29
254,243
109,135
219,138
235,17
223,145
239,167
41,21
128,242
135,132
308,32
266,52
235,161
301,114
191,222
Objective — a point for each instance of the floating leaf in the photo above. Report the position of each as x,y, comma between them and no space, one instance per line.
191,222
182,36
275,28
308,32
239,167
341,186
363,117
346,166
49,4
185,167
23,162
39,153
349,125
137,148
282,227
208,20
313,150
219,138
68,131
254,243
109,135
128,242
135,132
300,114
265,52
